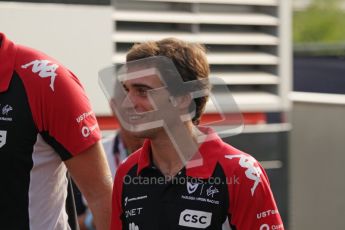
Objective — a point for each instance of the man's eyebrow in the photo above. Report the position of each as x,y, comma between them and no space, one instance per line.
139,85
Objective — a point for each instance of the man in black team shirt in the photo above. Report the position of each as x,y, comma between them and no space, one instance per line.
181,183
47,127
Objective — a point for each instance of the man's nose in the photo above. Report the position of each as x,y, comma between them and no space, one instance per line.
128,102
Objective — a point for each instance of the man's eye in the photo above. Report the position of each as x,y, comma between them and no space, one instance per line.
142,92
125,88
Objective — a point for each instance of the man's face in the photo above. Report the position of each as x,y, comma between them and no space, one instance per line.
138,104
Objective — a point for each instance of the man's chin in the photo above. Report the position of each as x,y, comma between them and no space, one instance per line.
147,133
139,133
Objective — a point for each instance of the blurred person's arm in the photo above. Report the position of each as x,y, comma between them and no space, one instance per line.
91,173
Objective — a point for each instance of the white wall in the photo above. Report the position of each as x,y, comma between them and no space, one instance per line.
317,159
78,36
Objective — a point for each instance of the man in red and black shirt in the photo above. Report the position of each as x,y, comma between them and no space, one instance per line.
156,187
47,127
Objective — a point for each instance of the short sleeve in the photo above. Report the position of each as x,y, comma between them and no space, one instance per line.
60,108
252,205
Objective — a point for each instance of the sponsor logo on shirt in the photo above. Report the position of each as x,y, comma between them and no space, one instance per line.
83,116
86,131
3,137
279,226
252,172
266,213
127,200
264,227
273,227
133,212
192,187
201,196
5,113
195,219
133,226
6,109
200,199
211,191
44,70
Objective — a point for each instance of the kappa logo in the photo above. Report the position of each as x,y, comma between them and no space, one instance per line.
191,188
44,70
252,172
3,137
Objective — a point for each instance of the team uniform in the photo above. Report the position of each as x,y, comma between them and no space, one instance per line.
45,119
230,187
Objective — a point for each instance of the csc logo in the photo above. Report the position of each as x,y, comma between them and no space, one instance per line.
195,219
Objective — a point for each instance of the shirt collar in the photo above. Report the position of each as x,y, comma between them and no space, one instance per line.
210,150
144,156
7,61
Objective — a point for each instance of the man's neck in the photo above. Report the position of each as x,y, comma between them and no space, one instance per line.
131,142
165,155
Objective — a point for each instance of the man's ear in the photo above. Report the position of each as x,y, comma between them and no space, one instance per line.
182,102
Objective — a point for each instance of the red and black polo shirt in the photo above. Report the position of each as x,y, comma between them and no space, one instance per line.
230,187
45,118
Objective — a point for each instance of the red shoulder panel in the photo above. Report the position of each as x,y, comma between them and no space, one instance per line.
57,100
252,205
